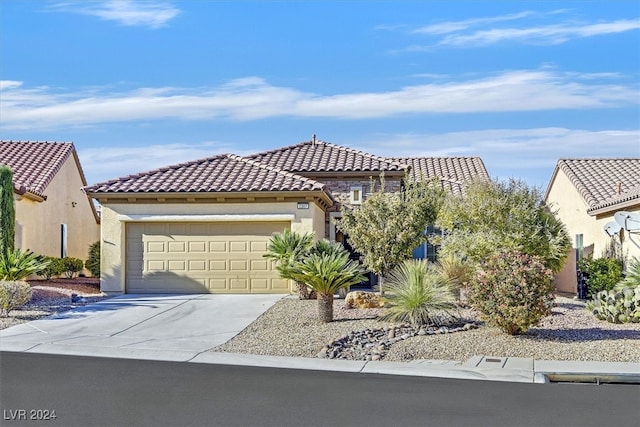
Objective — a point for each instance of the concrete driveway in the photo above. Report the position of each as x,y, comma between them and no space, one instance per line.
164,327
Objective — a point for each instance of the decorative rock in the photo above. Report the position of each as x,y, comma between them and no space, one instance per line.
373,344
360,299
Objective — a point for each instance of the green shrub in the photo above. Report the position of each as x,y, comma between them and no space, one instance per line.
55,268
417,294
13,294
71,266
602,273
617,306
93,261
512,291
18,265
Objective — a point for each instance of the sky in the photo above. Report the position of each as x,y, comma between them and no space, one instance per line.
137,85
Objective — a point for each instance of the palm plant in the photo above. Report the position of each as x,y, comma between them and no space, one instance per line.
417,294
286,249
326,273
17,265
632,279
325,246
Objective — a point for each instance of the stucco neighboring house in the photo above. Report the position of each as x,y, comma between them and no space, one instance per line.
203,226
54,216
587,193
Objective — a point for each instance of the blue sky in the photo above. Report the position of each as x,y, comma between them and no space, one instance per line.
144,84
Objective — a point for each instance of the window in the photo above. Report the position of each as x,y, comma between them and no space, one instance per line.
356,195
427,250
63,240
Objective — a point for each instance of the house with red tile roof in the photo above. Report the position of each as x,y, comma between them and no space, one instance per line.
204,226
587,193
54,216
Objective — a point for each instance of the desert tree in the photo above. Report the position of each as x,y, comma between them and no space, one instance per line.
388,226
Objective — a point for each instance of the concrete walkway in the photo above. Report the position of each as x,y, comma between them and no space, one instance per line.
184,327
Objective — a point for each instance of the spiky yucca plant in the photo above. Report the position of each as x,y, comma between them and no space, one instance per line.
17,265
454,269
286,249
326,273
418,295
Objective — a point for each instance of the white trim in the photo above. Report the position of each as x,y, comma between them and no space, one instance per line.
207,218
356,189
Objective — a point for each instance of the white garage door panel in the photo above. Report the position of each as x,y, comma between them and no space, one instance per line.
201,257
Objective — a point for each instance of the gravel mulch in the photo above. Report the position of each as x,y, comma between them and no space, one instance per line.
49,297
290,328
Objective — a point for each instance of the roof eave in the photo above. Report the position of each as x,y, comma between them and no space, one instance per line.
321,195
614,207
24,192
551,180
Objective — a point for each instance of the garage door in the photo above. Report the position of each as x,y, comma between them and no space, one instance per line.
201,258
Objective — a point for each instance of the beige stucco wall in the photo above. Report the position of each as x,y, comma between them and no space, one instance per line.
115,216
572,210
38,223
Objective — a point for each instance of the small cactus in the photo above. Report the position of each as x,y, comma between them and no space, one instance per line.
621,305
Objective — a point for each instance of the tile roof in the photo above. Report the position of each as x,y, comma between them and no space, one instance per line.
453,172
34,163
318,157
219,174
603,182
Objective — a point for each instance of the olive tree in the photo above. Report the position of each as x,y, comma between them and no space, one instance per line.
388,226
491,217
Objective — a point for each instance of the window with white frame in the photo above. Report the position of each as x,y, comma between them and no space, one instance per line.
356,194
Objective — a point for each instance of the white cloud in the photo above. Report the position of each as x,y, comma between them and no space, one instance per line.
9,84
530,154
454,26
253,98
101,164
152,14
546,28
549,34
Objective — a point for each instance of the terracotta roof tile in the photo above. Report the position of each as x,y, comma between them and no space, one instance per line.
453,172
218,174
603,182
320,156
34,163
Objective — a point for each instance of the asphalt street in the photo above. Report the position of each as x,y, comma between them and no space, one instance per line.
92,391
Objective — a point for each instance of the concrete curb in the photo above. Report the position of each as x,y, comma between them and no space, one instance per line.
580,371
486,368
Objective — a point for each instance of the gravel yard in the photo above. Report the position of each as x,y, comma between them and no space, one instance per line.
54,296
290,328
